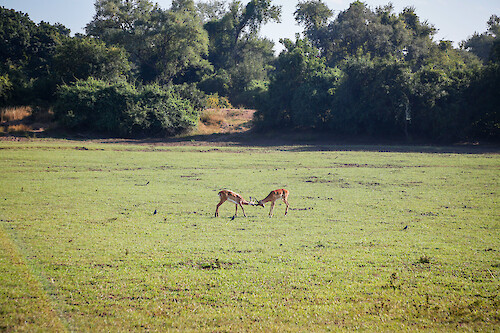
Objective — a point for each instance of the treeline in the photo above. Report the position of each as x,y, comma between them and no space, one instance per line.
143,70
375,73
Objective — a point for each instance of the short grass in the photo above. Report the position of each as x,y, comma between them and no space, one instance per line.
123,238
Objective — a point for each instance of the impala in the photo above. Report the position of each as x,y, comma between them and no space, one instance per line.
273,196
226,195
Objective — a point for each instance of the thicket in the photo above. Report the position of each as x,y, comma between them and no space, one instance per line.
121,109
363,72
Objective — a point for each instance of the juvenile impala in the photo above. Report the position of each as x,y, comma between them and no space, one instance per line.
273,196
226,195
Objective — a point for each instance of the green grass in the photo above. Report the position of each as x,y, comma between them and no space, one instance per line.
81,248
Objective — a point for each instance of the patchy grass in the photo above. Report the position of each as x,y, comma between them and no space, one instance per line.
24,305
119,238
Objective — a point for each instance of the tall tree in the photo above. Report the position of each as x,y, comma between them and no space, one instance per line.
162,43
314,16
26,55
360,30
300,90
238,54
82,57
239,25
482,45
211,10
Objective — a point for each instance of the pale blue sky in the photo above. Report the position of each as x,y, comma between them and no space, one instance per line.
455,20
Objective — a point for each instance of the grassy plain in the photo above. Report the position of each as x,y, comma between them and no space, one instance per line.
109,237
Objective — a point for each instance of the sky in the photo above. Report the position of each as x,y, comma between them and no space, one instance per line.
456,20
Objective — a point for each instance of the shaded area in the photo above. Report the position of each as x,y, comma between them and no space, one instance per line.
233,127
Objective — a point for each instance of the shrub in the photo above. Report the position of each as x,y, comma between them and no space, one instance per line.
159,111
121,109
215,101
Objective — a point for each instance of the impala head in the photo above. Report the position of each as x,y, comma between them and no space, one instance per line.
260,203
252,202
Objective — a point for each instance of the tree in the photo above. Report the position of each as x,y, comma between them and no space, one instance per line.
239,56
163,44
211,10
314,16
301,89
5,89
360,30
372,99
82,57
482,45
376,73
240,25
482,100
26,55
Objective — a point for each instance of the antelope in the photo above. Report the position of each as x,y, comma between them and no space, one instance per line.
234,198
273,196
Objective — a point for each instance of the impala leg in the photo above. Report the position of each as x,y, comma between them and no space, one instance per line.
272,208
286,203
245,215
236,212
217,208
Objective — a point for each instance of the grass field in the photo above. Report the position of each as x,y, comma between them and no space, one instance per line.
109,237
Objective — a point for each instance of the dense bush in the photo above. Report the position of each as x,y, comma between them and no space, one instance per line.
121,109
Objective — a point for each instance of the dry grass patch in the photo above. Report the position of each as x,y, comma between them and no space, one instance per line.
25,119
15,113
224,121
17,128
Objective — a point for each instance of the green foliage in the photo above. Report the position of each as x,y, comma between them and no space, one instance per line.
483,45
218,82
253,94
5,89
372,98
379,74
120,109
214,101
161,112
378,242
81,58
237,53
26,55
300,90
313,14
191,93
211,9
162,43
482,100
